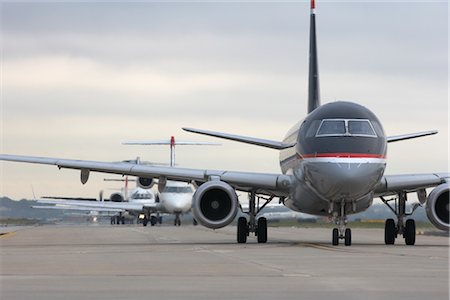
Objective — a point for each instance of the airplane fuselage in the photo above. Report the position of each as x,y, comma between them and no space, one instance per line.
339,157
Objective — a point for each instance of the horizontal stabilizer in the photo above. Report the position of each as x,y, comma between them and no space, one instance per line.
402,137
243,139
167,142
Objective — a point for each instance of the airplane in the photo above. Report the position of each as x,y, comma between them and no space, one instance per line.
123,203
332,164
174,196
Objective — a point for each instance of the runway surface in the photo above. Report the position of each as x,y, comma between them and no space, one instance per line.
132,262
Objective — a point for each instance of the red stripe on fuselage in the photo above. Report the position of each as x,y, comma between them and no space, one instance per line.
341,155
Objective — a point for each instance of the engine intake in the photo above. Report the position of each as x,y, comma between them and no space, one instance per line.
438,206
145,183
215,204
117,197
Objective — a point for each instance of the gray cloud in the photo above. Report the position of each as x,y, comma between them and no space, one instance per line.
77,78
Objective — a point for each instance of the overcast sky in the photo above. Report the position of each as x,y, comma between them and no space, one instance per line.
77,79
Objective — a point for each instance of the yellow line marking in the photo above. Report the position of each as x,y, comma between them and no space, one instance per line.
7,235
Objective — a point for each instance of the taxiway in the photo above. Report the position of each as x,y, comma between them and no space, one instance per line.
131,262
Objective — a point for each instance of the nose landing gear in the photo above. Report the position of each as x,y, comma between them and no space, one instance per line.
342,232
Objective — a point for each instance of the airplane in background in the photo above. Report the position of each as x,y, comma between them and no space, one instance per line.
124,203
332,164
173,197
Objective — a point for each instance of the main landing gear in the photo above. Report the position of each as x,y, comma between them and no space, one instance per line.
342,232
406,228
258,227
152,219
119,219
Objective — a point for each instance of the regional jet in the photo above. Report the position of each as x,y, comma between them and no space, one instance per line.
332,164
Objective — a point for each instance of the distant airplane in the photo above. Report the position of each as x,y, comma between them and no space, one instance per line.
123,203
332,164
173,197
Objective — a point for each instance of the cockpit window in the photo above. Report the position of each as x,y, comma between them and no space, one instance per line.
360,127
332,127
345,127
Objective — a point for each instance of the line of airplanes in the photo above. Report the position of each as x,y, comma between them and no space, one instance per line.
172,197
332,164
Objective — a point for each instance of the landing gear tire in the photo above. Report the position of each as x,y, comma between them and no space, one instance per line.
335,237
145,221
122,220
113,220
242,230
118,220
410,232
348,237
153,220
389,232
262,230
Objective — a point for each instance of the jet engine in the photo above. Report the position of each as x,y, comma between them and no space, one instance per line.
145,183
438,206
116,197
215,204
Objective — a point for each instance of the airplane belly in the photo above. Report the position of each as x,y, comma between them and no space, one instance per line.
343,181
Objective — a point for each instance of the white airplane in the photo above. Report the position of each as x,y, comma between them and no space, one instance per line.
332,164
174,196
123,203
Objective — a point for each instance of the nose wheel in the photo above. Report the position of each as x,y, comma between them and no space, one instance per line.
338,235
341,232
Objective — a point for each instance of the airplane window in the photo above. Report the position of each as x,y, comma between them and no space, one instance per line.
332,127
360,127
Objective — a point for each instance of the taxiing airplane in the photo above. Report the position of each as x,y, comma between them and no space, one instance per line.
123,203
332,164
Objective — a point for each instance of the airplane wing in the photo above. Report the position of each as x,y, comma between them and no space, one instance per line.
121,206
393,184
82,208
262,183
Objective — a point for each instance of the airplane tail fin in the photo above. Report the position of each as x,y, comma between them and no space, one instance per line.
313,88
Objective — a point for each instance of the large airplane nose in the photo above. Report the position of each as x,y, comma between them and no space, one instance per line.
343,181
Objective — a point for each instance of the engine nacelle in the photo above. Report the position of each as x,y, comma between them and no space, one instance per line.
438,206
215,204
117,197
145,183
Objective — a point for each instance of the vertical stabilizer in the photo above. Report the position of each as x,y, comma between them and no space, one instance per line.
313,89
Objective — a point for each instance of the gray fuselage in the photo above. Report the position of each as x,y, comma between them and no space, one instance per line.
339,157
